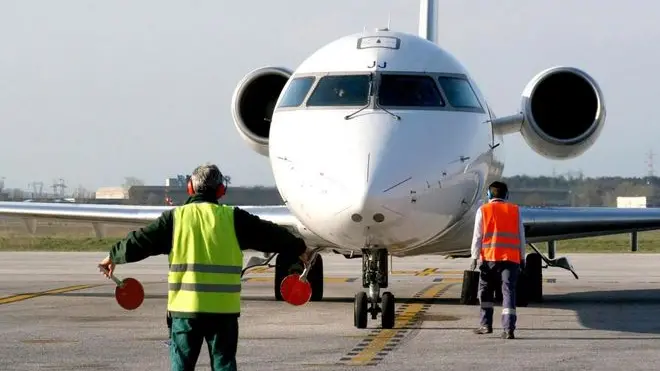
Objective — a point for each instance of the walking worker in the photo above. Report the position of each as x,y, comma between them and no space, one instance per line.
499,241
204,241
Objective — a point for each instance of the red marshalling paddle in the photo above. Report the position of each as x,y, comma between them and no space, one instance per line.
295,288
129,292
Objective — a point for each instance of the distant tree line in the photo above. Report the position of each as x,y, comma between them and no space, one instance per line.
582,191
565,190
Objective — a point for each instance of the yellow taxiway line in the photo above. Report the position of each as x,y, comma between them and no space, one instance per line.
20,297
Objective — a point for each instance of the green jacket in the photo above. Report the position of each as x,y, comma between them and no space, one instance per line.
251,232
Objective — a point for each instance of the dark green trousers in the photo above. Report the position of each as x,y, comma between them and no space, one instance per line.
188,334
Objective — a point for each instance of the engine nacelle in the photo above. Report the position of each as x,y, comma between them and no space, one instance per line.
564,112
253,104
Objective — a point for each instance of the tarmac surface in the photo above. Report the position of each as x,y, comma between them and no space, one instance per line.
57,312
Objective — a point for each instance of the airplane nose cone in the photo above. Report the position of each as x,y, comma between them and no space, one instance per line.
372,207
377,210
358,217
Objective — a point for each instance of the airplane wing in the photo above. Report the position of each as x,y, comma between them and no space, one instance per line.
544,224
100,215
541,223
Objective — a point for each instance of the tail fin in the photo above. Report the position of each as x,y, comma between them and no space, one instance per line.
428,20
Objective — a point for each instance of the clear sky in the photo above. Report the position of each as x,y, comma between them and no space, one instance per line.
93,91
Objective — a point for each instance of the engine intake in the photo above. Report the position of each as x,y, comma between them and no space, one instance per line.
253,104
564,112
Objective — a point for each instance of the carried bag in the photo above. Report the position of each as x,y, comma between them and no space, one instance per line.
470,290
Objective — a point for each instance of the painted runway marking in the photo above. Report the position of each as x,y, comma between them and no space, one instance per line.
353,279
427,272
325,279
380,342
448,280
261,270
460,280
405,272
411,272
21,297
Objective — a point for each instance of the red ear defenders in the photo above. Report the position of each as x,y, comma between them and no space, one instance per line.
222,188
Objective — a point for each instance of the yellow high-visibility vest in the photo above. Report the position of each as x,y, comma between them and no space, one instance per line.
205,261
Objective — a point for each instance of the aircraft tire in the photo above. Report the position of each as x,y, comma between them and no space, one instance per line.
284,266
360,310
530,283
315,278
534,277
387,316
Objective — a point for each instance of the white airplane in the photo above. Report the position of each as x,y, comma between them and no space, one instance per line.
382,144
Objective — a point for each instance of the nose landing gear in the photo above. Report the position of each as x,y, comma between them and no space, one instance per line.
374,277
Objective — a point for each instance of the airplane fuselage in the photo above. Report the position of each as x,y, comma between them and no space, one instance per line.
360,177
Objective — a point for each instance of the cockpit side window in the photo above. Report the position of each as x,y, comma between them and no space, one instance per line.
409,91
348,90
297,91
459,92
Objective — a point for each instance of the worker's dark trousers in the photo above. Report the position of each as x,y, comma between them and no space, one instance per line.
188,334
491,274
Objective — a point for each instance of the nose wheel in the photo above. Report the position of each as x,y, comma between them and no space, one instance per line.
360,310
387,313
374,277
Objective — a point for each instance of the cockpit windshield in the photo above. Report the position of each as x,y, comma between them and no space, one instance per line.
459,92
347,90
297,91
409,91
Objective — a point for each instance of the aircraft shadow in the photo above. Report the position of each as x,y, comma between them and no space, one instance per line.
628,311
631,311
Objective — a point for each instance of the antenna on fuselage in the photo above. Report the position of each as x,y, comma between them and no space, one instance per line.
428,20
389,20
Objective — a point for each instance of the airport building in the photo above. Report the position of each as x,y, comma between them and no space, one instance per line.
174,193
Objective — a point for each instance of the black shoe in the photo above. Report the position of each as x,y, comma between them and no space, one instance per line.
484,330
508,335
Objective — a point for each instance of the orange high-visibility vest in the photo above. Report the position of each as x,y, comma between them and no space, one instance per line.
501,232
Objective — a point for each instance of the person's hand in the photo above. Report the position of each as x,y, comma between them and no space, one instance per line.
473,266
107,267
